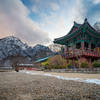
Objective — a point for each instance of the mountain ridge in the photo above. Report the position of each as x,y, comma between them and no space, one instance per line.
12,50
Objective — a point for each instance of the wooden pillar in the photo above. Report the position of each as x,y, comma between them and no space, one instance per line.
66,53
73,62
89,46
97,49
67,49
73,49
89,63
67,61
82,45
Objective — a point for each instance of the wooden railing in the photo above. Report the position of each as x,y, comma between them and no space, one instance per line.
80,52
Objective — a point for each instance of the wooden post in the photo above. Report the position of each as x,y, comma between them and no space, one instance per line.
66,52
73,62
89,63
82,45
90,46
67,49
96,51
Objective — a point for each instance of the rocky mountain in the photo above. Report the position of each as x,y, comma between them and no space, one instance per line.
97,26
41,51
56,47
13,50
12,46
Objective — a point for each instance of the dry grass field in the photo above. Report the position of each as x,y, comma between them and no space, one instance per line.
22,86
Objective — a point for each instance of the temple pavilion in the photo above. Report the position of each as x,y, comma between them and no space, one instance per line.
82,43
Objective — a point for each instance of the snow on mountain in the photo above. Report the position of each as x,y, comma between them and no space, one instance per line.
12,47
56,47
41,51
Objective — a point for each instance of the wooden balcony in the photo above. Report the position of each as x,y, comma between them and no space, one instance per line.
80,52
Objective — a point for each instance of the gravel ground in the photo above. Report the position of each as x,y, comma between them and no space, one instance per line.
21,86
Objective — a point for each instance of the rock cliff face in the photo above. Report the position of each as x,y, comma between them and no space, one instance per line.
56,47
12,46
13,50
41,51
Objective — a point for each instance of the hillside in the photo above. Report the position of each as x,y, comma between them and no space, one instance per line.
13,50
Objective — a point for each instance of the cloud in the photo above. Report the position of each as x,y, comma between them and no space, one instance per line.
96,1
50,18
56,26
54,6
60,15
14,20
35,9
59,23
79,11
37,1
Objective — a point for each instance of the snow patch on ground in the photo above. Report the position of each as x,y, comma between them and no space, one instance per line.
96,81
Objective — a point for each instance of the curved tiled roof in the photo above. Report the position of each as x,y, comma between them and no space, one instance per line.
77,29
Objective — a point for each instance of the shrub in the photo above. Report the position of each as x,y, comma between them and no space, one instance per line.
57,62
46,67
58,67
46,63
84,64
70,64
96,64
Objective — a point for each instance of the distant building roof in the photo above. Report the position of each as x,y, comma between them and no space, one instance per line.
43,59
25,64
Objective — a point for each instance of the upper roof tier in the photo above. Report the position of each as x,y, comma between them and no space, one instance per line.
75,30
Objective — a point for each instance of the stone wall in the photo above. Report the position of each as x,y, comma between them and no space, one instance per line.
79,70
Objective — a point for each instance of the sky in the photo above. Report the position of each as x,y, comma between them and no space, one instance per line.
41,21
